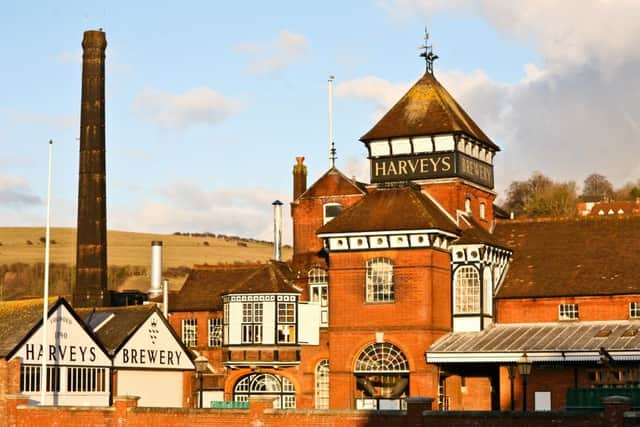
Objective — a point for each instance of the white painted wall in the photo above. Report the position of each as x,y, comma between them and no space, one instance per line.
235,322
268,322
155,388
309,323
466,324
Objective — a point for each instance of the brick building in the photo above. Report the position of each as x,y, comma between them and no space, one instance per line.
417,262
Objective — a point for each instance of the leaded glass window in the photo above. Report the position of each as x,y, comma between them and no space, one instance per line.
467,290
379,280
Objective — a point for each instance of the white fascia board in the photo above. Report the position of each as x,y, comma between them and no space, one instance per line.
385,233
625,355
555,356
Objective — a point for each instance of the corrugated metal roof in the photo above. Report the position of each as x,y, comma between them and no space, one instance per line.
540,341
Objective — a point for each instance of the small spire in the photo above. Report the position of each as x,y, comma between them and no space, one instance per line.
428,54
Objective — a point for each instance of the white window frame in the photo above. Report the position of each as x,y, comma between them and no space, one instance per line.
215,328
467,205
319,292
286,322
252,317
30,379
634,310
568,312
190,332
322,384
325,218
466,290
379,281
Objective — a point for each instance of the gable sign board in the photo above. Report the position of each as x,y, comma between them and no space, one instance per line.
428,166
68,342
153,346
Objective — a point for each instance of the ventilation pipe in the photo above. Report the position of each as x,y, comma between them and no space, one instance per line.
277,230
165,298
156,269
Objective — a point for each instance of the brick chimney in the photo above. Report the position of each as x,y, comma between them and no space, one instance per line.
299,178
91,255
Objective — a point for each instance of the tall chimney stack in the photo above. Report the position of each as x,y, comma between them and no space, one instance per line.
299,177
277,230
91,255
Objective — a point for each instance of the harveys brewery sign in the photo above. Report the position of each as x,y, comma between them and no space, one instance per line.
69,343
429,166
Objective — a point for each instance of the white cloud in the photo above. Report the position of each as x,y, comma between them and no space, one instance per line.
573,113
187,207
197,106
15,191
381,93
273,56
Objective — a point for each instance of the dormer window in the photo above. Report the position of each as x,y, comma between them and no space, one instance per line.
330,211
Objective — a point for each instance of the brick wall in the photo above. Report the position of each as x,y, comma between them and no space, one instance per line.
126,413
9,384
414,320
452,195
546,309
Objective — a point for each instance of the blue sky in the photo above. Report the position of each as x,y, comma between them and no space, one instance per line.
208,103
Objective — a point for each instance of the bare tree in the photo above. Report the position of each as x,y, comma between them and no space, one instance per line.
597,185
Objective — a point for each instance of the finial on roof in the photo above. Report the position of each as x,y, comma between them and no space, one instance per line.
428,54
332,145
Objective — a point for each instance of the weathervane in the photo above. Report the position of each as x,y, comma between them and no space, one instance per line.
428,54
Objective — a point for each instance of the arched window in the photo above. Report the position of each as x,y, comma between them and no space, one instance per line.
382,377
483,214
467,205
266,385
319,292
467,290
379,280
322,384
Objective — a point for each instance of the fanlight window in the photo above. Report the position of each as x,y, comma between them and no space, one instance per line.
382,378
382,357
266,385
380,280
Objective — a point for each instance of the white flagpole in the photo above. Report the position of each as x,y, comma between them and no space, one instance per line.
45,304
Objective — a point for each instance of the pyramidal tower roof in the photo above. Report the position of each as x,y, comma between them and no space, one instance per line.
426,109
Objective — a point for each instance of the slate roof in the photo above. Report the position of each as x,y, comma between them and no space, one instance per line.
426,109
542,341
117,330
334,183
391,209
571,257
17,319
206,284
